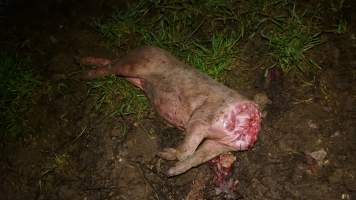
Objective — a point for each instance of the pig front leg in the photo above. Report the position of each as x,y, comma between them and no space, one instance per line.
206,151
193,152
195,133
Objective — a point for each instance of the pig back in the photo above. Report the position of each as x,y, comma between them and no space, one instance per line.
179,90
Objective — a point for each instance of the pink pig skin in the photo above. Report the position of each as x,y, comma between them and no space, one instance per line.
215,118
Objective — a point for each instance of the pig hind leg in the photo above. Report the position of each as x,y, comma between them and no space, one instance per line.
104,69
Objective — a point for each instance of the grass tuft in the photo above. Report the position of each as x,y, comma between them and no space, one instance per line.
341,26
17,84
290,41
215,58
118,97
122,25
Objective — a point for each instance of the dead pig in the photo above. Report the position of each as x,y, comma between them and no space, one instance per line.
215,118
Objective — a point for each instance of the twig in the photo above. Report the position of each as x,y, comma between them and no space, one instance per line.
79,136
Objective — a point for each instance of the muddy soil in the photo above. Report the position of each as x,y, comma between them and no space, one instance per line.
306,150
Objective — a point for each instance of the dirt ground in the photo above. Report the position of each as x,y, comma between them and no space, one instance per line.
306,149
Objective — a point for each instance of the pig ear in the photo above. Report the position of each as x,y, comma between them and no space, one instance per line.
206,151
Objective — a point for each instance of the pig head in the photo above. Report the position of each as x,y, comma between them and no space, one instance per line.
214,118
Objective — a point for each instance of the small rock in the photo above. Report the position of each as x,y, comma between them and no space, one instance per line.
345,196
53,39
336,134
312,124
353,37
319,156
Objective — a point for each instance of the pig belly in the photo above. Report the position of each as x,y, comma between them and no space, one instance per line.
170,107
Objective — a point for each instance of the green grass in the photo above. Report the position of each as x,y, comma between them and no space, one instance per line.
215,58
17,84
206,34
290,41
341,26
122,25
172,25
118,97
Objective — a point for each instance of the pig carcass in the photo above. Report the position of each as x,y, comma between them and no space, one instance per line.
214,118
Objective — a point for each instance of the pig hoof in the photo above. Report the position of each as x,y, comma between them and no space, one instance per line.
179,168
168,154
174,171
171,172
